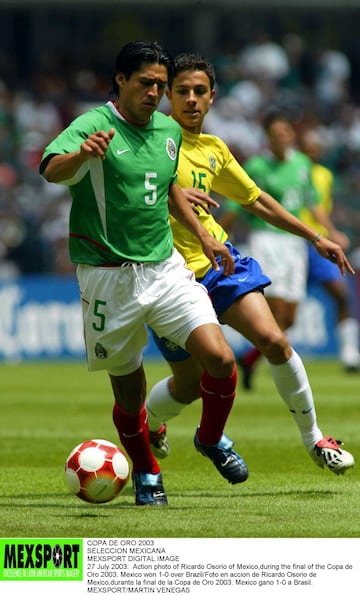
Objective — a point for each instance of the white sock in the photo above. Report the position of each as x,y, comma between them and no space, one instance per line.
161,405
348,338
293,385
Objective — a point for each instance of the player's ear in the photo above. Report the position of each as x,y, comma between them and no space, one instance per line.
212,96
120,79
168,93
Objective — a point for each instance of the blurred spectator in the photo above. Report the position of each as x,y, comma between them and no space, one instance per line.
333,72
264,59
38,121
294,46
8,132
228,119
226,66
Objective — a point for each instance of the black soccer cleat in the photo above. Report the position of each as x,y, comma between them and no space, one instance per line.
226,460
149,489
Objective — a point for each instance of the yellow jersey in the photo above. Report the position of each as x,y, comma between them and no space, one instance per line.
206,163
323,181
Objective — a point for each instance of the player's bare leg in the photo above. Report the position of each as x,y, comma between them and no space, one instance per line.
200,375
252,317
217,390
284,313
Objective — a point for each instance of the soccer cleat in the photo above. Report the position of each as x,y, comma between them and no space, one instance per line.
228,462
326,453
353,368
158,443
149,489
350,360
247,373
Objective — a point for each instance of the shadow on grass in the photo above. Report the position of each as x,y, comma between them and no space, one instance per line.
258,494
188,494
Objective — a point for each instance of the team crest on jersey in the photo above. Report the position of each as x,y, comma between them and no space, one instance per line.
171,148
212,162
100,351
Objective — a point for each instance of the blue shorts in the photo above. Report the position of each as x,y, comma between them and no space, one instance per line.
321,270
223,291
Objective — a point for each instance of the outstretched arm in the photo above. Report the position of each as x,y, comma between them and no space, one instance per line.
271,211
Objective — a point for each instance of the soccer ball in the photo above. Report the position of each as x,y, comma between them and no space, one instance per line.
96,471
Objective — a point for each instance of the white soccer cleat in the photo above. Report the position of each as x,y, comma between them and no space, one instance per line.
159,445
350,359
326,453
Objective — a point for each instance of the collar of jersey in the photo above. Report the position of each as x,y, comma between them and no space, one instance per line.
119,116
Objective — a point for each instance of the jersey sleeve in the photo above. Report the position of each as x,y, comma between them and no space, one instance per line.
233,181
69,141
312,196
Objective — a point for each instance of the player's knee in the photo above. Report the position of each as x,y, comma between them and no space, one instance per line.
221,363
275,346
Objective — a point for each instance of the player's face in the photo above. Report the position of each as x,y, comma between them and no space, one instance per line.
311,147
281,137
140,95
190,98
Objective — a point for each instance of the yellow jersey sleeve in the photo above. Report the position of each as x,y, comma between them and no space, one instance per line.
206,163
323,181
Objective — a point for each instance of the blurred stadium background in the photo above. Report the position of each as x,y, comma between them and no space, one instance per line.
56,60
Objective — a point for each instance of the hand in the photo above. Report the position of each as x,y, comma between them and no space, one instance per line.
96,144
197,197
213,248
334,252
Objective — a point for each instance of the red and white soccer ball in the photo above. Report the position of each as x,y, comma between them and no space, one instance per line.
96,471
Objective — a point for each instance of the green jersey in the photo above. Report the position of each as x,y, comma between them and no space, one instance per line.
120,205
288,181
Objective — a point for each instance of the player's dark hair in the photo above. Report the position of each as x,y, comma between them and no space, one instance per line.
276,115
134,54
193,62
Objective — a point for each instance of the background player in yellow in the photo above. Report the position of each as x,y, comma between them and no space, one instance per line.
206,164
323,271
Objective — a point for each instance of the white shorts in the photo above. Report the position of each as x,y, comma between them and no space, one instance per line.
117,303
283,257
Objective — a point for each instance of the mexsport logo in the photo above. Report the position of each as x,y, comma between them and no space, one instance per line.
30,555
26,558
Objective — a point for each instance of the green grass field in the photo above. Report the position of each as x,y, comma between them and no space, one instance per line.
46,409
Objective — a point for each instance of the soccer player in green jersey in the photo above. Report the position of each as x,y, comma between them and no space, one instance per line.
119,161
206,163
286,173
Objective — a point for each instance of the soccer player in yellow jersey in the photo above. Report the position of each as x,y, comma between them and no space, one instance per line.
322,271
206,164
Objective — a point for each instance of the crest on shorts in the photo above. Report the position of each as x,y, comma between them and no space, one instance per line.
100,351
212,162
171,148
170,346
